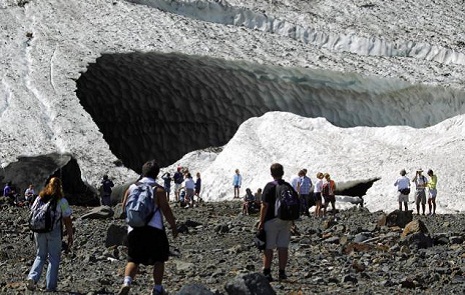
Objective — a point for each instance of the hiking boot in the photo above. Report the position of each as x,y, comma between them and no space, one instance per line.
282,276
269,277
124,289
155,292
30,284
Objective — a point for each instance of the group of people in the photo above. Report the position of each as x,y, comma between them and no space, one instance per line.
185,188
319,195
251,201
18,199
422,183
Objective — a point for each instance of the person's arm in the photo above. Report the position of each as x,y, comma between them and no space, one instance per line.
263,210
162,203
69,230
125,198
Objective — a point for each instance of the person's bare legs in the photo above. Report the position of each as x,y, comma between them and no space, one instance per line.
433,200
158,271
131,270
406,206
267,258
283,255
317,208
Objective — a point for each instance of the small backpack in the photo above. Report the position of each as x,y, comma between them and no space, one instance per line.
43,215
327,189
287,204
140,206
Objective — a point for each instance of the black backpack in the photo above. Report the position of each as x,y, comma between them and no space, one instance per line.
287,204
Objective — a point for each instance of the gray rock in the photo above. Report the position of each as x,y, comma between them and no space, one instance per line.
194,289
251,284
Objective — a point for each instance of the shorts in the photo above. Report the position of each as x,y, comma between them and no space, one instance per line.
317,197
147,245
401,198
432,192
330,199
237,186
177,187
420,197
278,233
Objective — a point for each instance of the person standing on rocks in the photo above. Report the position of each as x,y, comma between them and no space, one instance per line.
317,193
278,231
237,182
107,184
304,186
49,244
432,192
420,194
328,191
403,187
178,180
149,244
198,187
189,186
167,184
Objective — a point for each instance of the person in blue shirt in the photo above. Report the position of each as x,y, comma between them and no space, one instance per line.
237,182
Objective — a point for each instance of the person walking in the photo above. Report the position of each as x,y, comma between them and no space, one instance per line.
278,231
49,244
432,192
149,245
420,194
237,182
403,188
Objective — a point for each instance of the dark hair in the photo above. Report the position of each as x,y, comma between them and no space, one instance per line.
150,169
430,172
277,170
105,177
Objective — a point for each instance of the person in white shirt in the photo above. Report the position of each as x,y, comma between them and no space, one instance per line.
403,187
317,193
189,186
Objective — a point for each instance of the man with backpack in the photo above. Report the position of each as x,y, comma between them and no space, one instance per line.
280,206
147,241
107,184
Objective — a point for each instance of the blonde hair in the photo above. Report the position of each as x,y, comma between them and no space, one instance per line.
53,188
319,175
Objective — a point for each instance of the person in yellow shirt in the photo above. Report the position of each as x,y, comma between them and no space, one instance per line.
432,181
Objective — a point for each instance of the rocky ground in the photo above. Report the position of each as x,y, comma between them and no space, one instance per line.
356,252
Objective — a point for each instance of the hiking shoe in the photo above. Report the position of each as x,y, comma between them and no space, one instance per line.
282,276
269,277
124,289
155,292
30,284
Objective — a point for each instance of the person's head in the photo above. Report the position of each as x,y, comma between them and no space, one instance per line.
305,171
179,169
419,171
320,175
277,170
259,190
105,177
237,171
403,172
188,175
430,172
150,169
248,191
301,173
327,176
198,175
53,188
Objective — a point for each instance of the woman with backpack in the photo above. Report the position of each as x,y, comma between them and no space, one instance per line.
48,239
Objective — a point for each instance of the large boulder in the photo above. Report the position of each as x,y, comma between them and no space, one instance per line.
249,284
399,218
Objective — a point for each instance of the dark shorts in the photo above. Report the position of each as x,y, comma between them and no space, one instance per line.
147,245
317,197
330,199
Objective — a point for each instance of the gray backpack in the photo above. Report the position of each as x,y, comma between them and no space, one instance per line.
43,215
140,205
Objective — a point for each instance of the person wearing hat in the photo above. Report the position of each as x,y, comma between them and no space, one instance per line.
403,187
420,194
432,192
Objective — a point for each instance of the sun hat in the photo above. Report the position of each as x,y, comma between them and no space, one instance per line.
419,170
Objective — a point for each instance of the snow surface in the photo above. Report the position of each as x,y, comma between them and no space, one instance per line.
46,44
